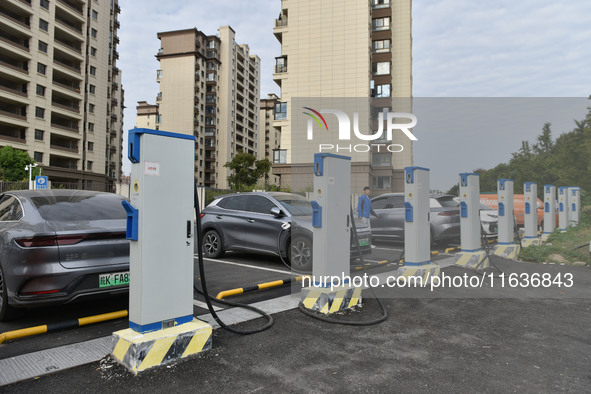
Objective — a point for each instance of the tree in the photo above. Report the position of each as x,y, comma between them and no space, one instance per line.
12,164
545,143
246,171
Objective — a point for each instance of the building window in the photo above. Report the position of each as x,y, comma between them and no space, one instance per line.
38,157
279,156
40,90
380,3
39,134
381,45
382,90
381,182
92,51
39,112
380,68
94,15
92,70
42,46
90,126
91,89
45,4
280,111
90,146
158,74
380,23
281,64
93,33
381,159
91,108
89,165
41,68
43,25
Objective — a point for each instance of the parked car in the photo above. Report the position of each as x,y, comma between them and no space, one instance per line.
489,219
253,222
57,246
444,217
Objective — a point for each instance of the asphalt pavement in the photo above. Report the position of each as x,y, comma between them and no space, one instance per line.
454,342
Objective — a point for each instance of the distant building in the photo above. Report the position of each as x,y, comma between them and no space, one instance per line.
61,98
269,136
147,116
343,49
209,88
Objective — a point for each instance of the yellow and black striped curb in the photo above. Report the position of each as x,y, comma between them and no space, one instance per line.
527,242
453,249
507,251
331,301
138,352
260,286
62,325
475,260
425,272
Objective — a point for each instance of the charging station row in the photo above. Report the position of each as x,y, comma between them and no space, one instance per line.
162,328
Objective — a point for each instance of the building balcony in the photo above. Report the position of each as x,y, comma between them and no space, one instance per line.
65,126
65,147
281,21
73,6
13,112
17,42
13,134
71,26
69,66
68,107
19,89
20,20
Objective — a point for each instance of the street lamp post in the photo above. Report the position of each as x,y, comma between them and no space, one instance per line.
30,167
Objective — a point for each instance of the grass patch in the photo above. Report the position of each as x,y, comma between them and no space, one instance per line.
564,244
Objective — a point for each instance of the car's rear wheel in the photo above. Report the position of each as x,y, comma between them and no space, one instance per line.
212,244
6,311
300,253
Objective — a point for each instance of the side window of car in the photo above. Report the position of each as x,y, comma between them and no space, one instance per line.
237,203
396,202
260,204
379,203
10,209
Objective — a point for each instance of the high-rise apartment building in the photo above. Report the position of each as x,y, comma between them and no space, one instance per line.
61,98
357,50
269,137
209,87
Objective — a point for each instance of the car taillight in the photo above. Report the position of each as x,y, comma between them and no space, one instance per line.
448,213
64,240
36,242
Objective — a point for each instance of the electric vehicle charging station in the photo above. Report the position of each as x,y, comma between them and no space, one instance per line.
162,328
562,208
417,238
506,246
530,214
574,203
472,255
331,222
549,211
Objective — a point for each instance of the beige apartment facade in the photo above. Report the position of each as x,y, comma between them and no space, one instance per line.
269,136
209,88
61,98
353,56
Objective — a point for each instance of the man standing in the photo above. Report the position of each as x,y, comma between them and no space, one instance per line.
364,207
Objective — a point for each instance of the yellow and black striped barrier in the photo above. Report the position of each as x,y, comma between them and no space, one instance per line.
260,286
63,325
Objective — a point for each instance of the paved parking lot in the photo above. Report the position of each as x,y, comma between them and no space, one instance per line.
459,343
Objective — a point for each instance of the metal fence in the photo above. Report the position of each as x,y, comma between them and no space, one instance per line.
6,186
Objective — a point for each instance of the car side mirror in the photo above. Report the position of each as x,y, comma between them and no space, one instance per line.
276,212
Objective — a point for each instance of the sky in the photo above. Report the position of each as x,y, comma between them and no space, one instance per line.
461,48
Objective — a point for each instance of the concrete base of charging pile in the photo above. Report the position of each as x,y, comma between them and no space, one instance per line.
424,271
327,300
545,237
475,260
138,352
507,251
527,242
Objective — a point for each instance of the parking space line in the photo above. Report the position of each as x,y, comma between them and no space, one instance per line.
250,266
203,305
